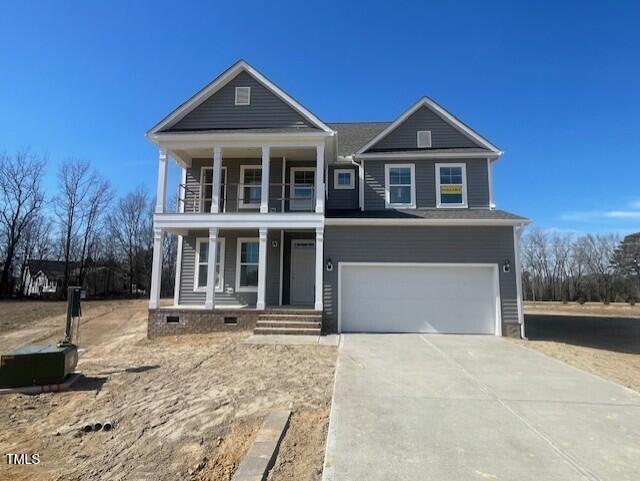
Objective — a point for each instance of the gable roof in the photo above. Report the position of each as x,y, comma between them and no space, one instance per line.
53,269
440,112
353,135
223,79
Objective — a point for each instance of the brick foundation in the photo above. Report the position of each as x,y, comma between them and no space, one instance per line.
198,321
510,329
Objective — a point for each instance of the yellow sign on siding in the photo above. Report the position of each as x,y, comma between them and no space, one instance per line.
451,189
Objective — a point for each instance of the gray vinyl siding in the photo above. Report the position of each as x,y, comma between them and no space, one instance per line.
219,111
477,183
404,137
229,296
342,198
419,244
425,171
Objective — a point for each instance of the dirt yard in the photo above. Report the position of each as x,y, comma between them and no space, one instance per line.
604,340
185,407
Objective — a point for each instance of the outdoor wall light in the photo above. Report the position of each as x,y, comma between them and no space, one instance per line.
329,265
274,243
506,266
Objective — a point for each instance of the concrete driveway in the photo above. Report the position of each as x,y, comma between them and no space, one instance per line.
420,407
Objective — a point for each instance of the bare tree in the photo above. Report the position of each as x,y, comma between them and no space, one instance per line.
97,200
74,179
21,199
600,251
128,224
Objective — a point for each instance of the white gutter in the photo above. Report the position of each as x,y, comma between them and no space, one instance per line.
429,155
422,221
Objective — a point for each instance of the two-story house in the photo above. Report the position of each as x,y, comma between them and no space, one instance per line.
300,225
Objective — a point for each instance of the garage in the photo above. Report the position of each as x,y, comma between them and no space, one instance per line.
415,297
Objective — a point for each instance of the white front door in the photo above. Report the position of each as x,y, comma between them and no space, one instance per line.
303,254
431,298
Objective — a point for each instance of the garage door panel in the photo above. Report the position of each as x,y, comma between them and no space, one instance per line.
418,298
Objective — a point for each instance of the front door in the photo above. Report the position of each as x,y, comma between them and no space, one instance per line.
303,253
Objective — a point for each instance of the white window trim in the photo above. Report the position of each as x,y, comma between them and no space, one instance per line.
241,203
248,96
428,133
464,204
292,178
387,197
242,240
220,286
336,174
223,192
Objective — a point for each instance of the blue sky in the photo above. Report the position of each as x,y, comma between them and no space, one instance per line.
555,84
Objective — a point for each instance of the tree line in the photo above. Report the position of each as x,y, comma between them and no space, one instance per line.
582,268
105,242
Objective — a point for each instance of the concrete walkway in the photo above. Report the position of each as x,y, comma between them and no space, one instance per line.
457,408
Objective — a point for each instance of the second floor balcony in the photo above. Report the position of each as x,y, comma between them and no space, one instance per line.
296,197
247,183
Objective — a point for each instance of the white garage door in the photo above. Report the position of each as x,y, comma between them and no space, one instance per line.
431,298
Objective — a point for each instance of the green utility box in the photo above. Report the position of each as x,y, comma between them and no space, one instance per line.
37,365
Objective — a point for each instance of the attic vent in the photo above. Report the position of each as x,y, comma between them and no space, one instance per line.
243,95
424,139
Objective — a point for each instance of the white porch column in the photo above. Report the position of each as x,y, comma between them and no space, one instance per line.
262,270
156,270
215,188
161,192
320,178
319,266
210,298
264,202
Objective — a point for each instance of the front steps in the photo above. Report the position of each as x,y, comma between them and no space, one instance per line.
289,322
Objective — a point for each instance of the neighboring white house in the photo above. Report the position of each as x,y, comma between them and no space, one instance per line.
43,277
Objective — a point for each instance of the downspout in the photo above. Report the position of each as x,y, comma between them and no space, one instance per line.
517,231
360,166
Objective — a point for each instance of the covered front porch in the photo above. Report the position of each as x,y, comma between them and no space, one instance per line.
246,268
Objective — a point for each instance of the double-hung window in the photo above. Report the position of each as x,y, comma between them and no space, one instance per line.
206,188
202,265
248,255
451,185
400,187
250,188
302,188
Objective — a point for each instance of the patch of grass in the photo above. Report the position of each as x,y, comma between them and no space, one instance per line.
20,314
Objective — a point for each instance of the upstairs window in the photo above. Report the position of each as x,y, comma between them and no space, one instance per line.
424,139
451,188
250,188
343,179
400,190
206,188
243,95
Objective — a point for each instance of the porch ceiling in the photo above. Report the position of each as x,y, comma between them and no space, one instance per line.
186,156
